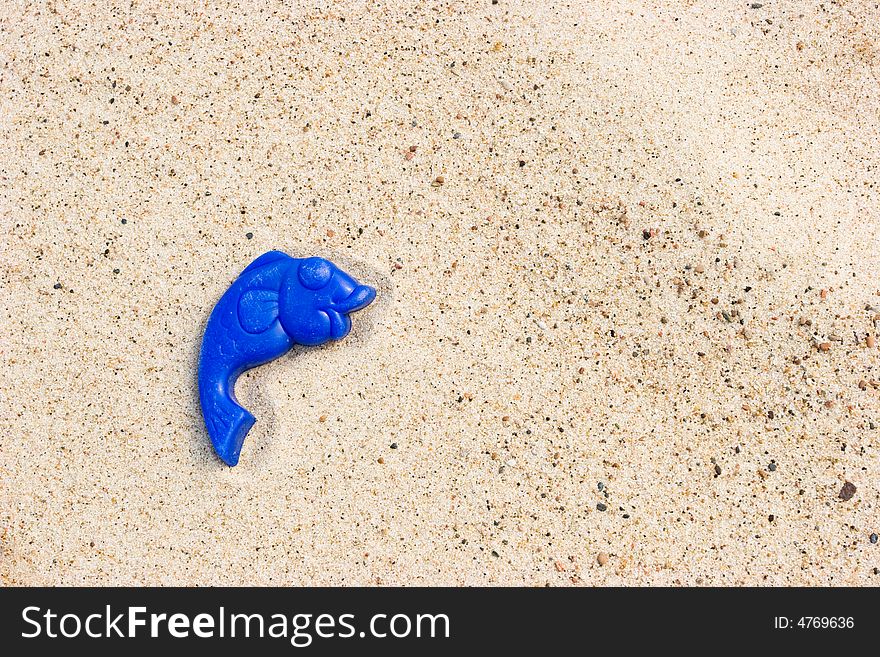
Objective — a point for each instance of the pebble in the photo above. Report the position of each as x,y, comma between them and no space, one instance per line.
699,269
847,492
250,236
824,346
874,539
393,445
602,558
772,467
870,342
601,507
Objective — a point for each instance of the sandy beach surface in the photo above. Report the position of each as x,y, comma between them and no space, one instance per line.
627,258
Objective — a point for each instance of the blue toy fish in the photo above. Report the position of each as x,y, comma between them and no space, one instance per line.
275,303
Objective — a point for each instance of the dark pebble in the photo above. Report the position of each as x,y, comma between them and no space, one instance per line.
601,507
250,236
600,486
393,445
756,5
125,221
772,467
847,492
874,539
57,286
495,554
115,271
717,470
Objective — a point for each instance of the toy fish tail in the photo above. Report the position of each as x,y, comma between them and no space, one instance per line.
227,422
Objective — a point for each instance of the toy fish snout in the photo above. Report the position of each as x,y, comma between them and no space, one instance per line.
360,297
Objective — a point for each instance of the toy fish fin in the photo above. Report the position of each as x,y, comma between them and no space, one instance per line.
257,310
265,259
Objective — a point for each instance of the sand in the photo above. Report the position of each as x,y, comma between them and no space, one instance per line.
633,320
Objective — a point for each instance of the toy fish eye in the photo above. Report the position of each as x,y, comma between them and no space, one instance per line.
315,273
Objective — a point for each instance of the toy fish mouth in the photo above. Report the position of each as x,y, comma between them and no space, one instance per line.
361,297
340,324
338,311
